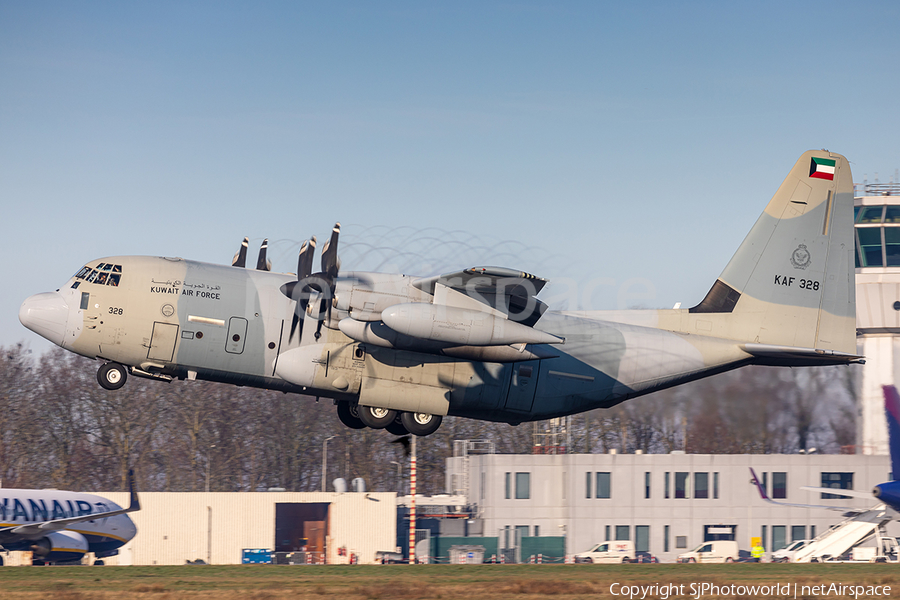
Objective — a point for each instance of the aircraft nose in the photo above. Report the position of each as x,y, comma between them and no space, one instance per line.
128,529
46,314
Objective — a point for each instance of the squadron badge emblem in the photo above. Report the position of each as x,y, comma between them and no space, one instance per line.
800,258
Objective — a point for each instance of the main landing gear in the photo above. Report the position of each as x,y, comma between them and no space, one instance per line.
112,376
355,416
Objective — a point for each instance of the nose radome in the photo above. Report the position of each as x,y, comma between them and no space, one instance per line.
46,314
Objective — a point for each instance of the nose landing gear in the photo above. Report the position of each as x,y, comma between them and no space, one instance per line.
112,376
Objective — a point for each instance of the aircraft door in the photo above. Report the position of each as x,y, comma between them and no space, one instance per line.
237,332
162,341
522,385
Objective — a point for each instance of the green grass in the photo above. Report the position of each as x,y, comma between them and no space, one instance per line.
405,582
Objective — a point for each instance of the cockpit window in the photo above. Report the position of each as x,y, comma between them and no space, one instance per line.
104,274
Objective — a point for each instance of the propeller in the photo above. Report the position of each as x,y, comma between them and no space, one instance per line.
262,264
328,276
240,257
322,283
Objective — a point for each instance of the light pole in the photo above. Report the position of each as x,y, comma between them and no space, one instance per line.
325,459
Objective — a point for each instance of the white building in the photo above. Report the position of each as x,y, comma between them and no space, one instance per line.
666,503
175,527
877,307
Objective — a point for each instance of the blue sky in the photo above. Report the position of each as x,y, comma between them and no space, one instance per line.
625,146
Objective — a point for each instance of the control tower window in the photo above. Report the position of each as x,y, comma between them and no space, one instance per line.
892,246
871,214
892,214
870,246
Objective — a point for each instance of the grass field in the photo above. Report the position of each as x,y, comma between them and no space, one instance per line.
405,582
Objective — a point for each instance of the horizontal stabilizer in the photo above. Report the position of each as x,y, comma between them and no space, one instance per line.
771,354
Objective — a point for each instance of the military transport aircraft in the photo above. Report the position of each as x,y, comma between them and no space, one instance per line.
60,527
400,352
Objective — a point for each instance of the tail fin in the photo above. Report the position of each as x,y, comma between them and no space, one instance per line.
892,412
791,282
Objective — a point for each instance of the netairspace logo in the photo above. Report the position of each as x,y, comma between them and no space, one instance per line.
663,591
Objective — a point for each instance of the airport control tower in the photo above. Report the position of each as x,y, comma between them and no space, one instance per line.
877,209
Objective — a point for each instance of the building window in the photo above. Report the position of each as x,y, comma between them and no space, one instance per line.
840,481
681,485
681,541
642,538
623,532
603,485
587,485
508,493
666,486
607,534
701,485
665,538
778,537
647,484
523,486
537,531
521,532
765,532
812,532
765,483
798,532
716,486
779,485
482,485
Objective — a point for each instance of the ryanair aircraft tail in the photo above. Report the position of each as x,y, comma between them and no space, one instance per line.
788,292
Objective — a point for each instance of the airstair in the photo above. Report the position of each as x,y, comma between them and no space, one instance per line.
842,537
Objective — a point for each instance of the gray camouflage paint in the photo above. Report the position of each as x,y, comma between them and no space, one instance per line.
792,278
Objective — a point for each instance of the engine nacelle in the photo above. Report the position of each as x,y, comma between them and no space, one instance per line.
60,546
889,493
460,326
379,334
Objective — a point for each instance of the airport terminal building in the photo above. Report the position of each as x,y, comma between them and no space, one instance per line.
666,503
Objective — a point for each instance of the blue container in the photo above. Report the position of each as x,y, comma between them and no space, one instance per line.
253,556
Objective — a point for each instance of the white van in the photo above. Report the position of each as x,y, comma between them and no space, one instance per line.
787,554
719,551
621,551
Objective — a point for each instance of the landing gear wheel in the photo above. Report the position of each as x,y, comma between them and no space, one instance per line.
349,415
421,424
112,376
396,427
625,560
376,417
728,559
99,563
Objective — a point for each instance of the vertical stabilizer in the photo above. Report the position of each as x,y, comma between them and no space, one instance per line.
892,412
791,282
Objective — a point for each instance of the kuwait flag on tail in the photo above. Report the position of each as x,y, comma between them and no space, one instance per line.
822,168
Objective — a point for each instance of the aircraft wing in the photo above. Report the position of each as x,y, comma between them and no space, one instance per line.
846,511
508,290
59,524
839,492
